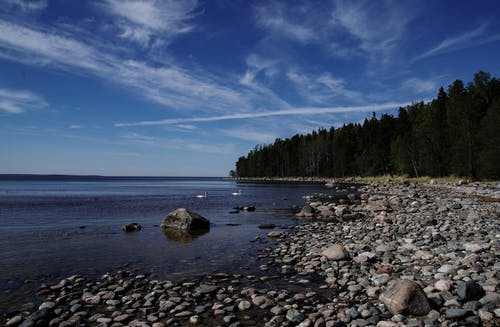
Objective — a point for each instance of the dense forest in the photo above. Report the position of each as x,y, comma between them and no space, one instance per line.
457,133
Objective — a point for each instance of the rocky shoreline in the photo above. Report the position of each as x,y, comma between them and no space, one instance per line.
394,254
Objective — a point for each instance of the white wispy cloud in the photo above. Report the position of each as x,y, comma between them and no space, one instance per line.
345,29
188,127
419,86
140,138
248,134
288,112
169,84
282,20
18,101
321,88
465,40
75,126
28,5
377,26
143,20
258,67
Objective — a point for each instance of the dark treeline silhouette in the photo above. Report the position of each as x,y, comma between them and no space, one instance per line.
457,133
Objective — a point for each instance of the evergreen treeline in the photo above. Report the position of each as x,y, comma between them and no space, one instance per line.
457,133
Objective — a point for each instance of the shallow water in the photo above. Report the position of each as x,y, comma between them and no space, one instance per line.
41,239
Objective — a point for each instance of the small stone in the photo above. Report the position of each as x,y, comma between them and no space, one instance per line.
121,318
443,285
259,300
458,313
470,290
294,315
14,321
244,305
380,280
447,269
277,310
473,247
206,289
275,234
183,314
104,320
46,305
485,315
195,320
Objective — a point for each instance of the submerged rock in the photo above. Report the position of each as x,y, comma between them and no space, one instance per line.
267,226
132,227
184,219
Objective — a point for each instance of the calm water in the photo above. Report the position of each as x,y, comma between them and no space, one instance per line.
41,239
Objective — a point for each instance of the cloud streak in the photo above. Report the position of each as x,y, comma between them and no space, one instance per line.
142,20
465,40
27,5
18,101
288,112
167,85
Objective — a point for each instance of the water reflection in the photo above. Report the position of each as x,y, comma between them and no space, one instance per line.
182,236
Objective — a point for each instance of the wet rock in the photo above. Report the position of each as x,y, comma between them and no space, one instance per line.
267,226
184,219
275,234
37,318
249,208
405,297
132,227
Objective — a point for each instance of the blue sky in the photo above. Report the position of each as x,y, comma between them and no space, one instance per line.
183,88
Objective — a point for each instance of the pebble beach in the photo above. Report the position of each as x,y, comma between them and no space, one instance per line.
390,254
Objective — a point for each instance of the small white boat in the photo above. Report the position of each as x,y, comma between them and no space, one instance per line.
202,196
237,193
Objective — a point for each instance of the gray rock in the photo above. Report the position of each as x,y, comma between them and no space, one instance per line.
46,305
405,297
206,289
244,305
294,315
14,321
458,313
335,252
184,219
470,290
35,318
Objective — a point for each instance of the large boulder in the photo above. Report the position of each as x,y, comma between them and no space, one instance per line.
405,297
184,219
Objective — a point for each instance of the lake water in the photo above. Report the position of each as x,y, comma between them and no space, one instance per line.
41,239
